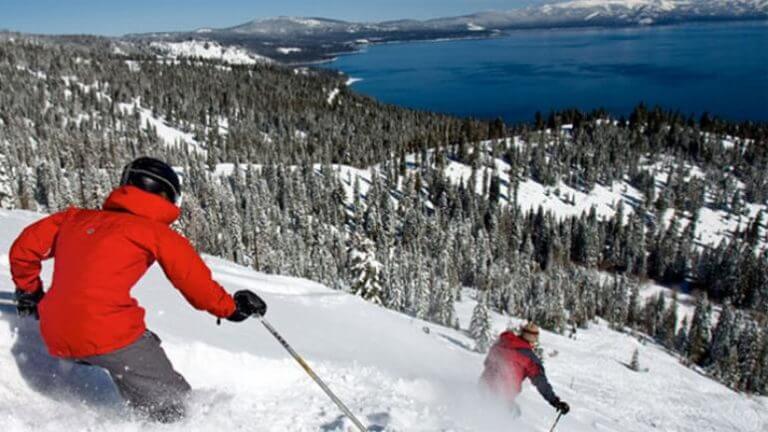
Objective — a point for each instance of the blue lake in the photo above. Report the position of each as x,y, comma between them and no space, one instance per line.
719,68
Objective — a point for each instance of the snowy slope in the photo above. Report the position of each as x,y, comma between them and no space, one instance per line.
564,201
383,364
209,50
561,200
169,134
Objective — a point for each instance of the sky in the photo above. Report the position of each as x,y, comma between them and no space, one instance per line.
117,17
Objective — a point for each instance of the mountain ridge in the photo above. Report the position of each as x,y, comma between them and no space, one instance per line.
321,38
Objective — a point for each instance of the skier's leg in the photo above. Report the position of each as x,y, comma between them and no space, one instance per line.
146,379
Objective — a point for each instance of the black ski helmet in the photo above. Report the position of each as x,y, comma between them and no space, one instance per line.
154,176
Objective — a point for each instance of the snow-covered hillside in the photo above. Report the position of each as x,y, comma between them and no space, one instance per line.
208,50
391,372
564,201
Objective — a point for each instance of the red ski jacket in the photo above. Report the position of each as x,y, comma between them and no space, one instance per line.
511,360
99,257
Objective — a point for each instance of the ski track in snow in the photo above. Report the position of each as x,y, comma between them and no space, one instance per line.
389,371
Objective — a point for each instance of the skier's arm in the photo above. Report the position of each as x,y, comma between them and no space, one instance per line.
539,378
189,274
34,245
545,388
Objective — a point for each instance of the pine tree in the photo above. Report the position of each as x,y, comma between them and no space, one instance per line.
699,334
633,308
730,374
619,304
480,326
762,368
635,363
668,324
723,337
681,339
421,293
443,310
25,194
365,270
748,350
7,194
396,295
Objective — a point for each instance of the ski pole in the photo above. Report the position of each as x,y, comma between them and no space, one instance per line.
313,375
560,414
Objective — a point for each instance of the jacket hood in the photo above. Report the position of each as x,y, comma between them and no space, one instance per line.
141,203
510,340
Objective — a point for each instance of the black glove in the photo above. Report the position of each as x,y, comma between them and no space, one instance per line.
561,406
247,303
26,303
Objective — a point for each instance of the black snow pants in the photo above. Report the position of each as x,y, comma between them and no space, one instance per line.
146,379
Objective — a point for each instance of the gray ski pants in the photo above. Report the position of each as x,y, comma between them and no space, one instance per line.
146,379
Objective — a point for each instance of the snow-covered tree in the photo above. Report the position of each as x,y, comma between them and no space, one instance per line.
480,326
443,304
681,339
365,270
723,337
699,334
668,325
634,364
7,195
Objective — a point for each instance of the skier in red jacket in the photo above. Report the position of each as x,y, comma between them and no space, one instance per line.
511,360
88,314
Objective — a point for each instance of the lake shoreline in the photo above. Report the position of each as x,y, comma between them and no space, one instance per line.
657,58
502,33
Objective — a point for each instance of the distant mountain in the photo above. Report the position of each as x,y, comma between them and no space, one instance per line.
613,12
570,13
293,25
301,39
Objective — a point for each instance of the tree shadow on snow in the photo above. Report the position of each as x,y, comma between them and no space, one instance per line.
57,379
456,342
629,366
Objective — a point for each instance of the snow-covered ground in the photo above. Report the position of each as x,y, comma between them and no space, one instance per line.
392,373
686,303
474,27
288,50
209,50
332,95
168,134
